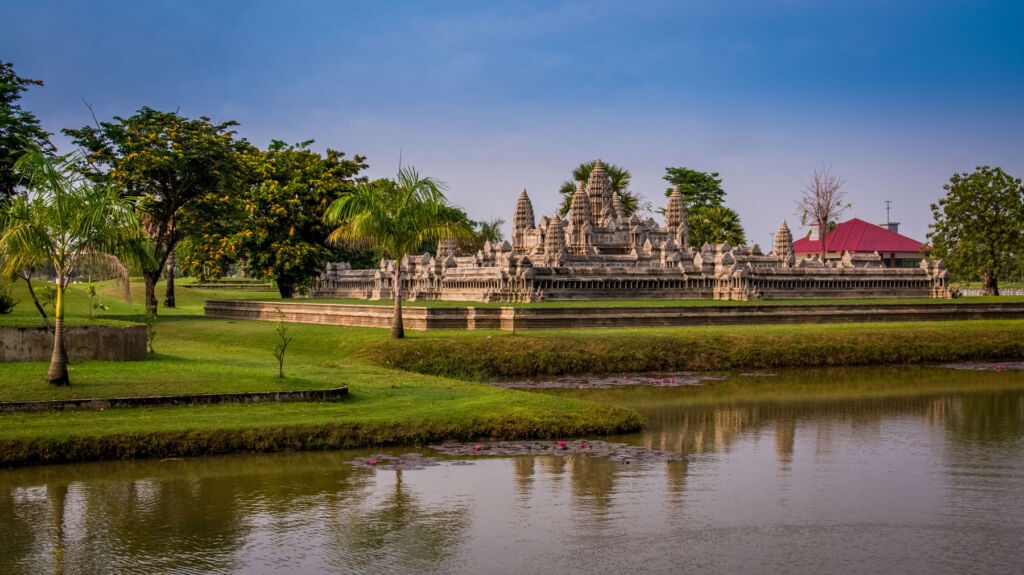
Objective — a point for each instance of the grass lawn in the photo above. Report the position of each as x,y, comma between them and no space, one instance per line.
195,354
400,391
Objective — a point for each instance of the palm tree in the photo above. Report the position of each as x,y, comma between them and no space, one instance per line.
63,220
714,225
395,216
620,178
490,230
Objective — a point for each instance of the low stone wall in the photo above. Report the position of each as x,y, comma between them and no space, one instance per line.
1002,291
324,313
100,404
513,318
86,342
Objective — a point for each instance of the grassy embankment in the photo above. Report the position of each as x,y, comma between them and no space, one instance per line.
506,356
398,390
196,354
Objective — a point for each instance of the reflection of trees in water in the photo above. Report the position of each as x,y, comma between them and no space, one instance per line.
714,428
785,437
988,417
522,474
396,533
20,510
593,482
158,517
552,466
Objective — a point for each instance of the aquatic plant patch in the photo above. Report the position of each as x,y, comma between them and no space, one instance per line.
611,381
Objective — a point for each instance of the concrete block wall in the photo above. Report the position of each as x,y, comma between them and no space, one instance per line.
88,342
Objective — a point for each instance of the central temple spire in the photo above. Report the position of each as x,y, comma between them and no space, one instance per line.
522,221
599,188
675,218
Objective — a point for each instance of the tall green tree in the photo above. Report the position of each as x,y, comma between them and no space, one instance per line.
279,232
714,225
698,188
979,225
620,178
169,162
396,216
63,220
19,129
708,219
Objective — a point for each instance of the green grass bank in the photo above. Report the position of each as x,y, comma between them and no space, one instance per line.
509,356
418,390
195,354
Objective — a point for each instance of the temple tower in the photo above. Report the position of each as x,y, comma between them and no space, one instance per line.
522,221
620,211
675,218
554,242
784,245
599,187
445,247
580,218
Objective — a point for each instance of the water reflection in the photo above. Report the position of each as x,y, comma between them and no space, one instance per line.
786,475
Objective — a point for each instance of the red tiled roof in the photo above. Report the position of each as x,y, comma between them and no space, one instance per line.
858,236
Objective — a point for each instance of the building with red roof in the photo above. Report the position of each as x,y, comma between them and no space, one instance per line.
857,236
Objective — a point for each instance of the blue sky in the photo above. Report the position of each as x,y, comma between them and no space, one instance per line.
493,98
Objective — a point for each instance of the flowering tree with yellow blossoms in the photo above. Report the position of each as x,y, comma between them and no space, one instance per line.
274,227
170,163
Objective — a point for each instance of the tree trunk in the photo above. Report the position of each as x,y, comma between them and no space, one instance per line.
58,374
990,284
169,295
151,278
286,288
821,236
397,329
46,319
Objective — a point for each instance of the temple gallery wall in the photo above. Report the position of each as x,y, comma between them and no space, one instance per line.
598,253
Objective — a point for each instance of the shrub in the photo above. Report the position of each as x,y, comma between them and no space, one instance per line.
7,301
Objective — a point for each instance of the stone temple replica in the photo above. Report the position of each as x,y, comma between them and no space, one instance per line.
598,253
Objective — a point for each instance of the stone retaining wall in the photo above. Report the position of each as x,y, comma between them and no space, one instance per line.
1002,291
99,404
86,342
512,318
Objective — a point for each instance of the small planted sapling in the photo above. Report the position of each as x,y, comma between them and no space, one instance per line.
95,302
279,348
48,297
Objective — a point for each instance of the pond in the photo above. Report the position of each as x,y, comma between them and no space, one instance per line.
884,470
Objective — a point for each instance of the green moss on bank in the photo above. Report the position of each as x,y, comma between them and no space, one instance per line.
708,348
